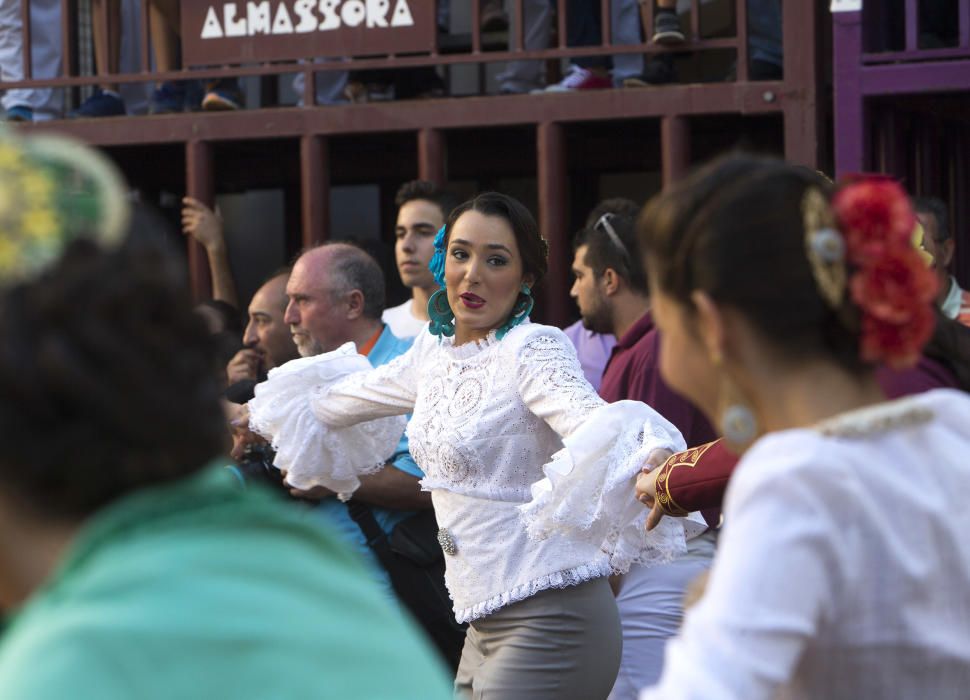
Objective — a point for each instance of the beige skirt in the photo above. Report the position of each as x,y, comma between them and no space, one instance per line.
561,643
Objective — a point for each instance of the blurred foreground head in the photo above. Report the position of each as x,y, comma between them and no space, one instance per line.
107,380
758,267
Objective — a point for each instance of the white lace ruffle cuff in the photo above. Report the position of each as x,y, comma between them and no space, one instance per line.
311,453
588,493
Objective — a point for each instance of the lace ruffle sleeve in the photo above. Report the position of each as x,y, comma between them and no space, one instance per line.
588,489
388,390
551,380
310,451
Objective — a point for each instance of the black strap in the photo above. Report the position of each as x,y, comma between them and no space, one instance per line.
362,514
416,568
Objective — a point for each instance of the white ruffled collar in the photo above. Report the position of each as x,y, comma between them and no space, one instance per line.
469,349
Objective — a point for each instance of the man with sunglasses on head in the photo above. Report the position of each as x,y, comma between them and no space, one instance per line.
613,297
593,348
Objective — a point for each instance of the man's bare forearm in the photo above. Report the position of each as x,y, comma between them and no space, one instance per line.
392,488
223,283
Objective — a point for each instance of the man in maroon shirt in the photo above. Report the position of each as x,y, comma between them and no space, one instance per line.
612,294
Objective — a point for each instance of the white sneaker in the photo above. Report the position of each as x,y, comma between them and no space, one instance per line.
579,78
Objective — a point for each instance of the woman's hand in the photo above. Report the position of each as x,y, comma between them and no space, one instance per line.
647,486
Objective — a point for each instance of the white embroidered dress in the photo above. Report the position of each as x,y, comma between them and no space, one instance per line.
843,568
531,472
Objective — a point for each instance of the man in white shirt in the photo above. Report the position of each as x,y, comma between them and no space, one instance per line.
423,208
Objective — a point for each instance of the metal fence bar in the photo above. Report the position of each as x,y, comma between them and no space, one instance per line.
741,15
200,184
474,112
85,41
309,85
67,34
553,182
674,148
518,17
912,25
434,40
801,60
646,19
916,56
102,39
28,63
956,196
965,25
606,23
695,19
476,26
432,156
915,78
146,32
314,189
927,157
561,23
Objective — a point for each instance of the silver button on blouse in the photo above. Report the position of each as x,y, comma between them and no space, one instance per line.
447,542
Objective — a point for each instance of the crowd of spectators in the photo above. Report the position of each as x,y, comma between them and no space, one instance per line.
114,26
504,517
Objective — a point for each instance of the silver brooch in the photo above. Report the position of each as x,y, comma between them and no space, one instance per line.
447,542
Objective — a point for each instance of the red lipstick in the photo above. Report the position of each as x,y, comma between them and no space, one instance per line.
472,301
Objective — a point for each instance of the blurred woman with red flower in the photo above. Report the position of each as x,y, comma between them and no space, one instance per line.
843,568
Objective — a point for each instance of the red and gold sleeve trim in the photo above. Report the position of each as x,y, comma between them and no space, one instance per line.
687,458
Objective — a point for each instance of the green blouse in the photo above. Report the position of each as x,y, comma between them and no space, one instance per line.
202,590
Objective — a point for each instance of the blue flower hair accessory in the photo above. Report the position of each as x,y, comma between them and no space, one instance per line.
437,263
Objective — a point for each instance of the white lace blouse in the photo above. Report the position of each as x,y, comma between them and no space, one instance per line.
843,568
531,472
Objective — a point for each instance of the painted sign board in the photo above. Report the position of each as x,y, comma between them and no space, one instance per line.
246,31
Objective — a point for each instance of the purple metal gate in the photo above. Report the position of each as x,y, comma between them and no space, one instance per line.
902,101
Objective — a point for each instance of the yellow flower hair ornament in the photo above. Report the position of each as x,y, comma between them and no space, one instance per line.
54,190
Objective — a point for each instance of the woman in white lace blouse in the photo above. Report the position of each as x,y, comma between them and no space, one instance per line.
531,473
843,567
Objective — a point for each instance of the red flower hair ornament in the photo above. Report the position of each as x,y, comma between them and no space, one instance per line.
864,243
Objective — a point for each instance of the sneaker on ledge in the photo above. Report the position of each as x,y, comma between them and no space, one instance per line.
579,78
103,103
666,27
20,113
168,98
222,96
658,71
